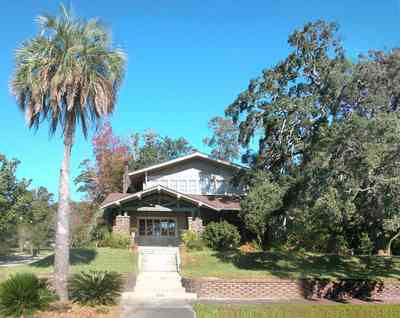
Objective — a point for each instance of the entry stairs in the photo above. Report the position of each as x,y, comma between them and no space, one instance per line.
159,276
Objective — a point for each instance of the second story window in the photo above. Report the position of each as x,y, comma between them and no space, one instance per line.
182,186
193,186
173,184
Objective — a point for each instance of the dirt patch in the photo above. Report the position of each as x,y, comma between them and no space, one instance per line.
67,310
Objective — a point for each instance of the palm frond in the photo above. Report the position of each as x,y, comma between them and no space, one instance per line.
69,74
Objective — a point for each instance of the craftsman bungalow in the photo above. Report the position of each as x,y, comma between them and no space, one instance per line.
160,201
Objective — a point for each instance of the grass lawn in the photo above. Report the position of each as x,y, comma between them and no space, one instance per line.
119,260
297,311
208,263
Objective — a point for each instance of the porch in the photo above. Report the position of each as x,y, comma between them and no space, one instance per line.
157,216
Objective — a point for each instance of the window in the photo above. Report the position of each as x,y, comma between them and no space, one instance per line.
173,184
171,227
149,227
164,227
157,227
142,227
182,186
205,185
193,186
220,186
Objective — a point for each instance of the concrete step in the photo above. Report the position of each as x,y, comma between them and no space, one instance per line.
151,295
169,282
158,268
175,289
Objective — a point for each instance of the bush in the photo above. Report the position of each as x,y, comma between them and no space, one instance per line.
24,294
99,231
115,240
80,236
221,235
95,288
192,240
366,245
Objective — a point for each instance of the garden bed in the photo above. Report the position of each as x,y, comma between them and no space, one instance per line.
67,310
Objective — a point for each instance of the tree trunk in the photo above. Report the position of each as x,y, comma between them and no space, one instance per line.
389,246
61,269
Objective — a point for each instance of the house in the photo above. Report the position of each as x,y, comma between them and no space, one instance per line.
160,201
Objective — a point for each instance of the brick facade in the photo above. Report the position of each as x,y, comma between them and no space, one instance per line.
208,288
122,224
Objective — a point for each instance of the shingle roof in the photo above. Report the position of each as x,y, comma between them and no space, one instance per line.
220,202
113,197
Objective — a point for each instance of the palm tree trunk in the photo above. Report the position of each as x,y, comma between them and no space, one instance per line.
63,216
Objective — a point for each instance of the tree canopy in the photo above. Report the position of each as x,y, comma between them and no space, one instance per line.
24,213
327,130
224,142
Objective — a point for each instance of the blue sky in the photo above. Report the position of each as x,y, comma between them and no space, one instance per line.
187,60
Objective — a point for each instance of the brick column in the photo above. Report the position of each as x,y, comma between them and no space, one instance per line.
122,224
196,224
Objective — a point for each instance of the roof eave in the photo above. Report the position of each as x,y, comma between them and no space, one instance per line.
191,156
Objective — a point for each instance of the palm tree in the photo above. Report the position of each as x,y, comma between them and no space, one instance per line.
69,75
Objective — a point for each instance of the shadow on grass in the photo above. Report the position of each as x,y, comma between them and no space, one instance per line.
78,256
332,277
298,265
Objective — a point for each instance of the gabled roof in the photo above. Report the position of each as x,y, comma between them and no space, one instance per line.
184,158
213,202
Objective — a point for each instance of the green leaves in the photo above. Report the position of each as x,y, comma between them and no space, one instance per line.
221,235
263,200
225,139
328,132
68,74
288,103
95,288
23,294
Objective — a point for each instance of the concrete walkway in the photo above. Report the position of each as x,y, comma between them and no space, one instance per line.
158,291
157,308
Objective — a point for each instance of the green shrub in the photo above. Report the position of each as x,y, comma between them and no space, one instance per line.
366,245
80,236
4,248
95,288
99,232
221,235
24,294
115,240
192,240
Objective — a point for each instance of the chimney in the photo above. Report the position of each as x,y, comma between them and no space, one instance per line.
126,180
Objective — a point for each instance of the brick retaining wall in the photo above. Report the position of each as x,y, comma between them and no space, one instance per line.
213,288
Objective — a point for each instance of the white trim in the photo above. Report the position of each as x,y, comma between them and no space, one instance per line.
159,188
187,157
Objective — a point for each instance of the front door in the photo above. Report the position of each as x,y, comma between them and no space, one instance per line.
157,230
